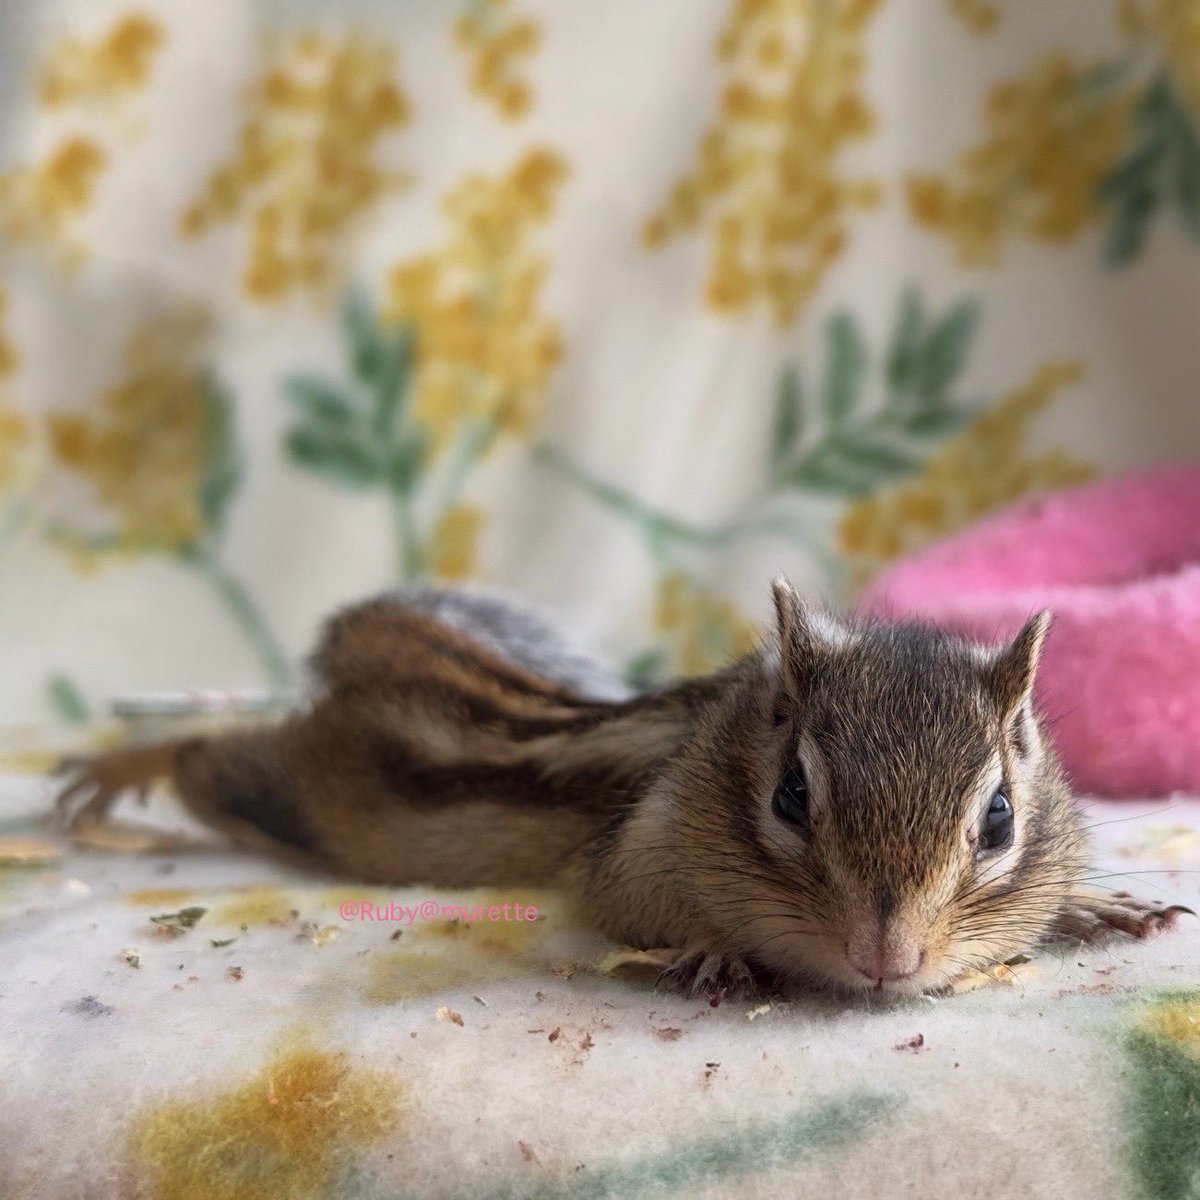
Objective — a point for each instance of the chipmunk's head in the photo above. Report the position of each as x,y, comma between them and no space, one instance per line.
903,816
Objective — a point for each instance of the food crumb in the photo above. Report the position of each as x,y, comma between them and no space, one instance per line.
132,956
235,974
527,1152
445,1013
555,1033
176,924
90,1006
668,1033
758,1012
916,1043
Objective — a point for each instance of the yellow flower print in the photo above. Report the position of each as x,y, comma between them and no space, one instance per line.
90,73
769,186
141,447
8,352
16,433
703,631
454,547
16,438
484,352
44,204
983,468
978,15
1050,141
495,44
1176,1022
292,1129
305,166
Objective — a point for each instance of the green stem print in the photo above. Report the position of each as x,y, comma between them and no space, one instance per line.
734,1159
219,484
867,424
244,611
360,433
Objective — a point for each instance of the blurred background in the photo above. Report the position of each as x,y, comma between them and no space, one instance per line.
625,308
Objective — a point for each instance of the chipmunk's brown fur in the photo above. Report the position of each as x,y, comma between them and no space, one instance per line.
430,755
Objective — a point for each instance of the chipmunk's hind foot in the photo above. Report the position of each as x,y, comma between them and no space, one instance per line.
94,783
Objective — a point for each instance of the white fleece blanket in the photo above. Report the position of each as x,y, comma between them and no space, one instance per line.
271,1043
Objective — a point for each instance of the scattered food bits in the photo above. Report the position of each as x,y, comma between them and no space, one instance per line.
448,1014
76,887
328,934
235,974
587,1043
668,1033
1009,973
396,935
761,1010
177,923
218,943
527,1152
90,1006
27,852
637,965
915,1044
480,1000
710,1069
132,956
555,1034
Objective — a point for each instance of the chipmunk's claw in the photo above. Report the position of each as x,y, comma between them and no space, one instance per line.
710,976
1094,918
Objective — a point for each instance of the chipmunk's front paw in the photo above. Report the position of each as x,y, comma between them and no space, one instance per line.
712,976
1092,918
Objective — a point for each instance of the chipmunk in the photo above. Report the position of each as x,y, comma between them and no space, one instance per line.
863,805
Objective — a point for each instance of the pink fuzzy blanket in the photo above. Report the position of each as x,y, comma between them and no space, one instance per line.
1118,563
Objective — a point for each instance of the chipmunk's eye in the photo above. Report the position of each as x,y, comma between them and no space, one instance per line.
790,802
997,823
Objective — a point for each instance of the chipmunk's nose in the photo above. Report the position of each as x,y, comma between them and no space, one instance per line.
887,961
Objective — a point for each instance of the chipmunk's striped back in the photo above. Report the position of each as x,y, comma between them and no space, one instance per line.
451,737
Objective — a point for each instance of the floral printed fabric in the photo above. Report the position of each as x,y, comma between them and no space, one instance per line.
180,1022
626,315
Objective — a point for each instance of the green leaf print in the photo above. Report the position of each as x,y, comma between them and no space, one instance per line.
858,447
786,429
877,420
1164,1101
359,433
1161,170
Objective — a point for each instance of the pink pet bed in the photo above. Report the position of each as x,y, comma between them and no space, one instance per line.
1118,563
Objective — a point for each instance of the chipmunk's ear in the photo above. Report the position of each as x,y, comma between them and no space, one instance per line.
1012,673
799,637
